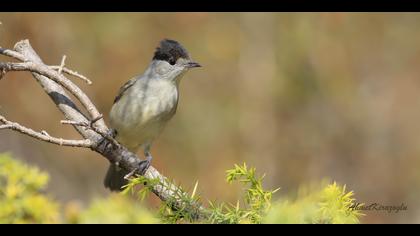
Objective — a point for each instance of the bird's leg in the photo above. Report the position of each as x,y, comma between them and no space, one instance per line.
145,164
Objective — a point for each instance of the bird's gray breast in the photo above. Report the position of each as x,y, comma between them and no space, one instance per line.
140,115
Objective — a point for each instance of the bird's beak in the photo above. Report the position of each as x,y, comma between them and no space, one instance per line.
192,64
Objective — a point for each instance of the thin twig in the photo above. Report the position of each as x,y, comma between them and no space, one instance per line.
91,126
73,73
86,143
127,176
13,54
63,61
44,133
94,120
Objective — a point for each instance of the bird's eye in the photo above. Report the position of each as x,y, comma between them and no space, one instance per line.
172,61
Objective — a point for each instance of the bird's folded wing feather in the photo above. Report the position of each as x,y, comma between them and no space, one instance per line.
124,88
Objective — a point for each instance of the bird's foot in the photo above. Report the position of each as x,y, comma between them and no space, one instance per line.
142,168
145,164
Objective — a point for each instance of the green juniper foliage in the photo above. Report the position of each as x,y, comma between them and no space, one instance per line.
167,211
22,201
257,200
327,204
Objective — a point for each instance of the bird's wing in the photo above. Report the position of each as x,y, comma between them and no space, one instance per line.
124,88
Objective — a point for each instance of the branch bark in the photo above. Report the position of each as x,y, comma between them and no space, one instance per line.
55,85
43,136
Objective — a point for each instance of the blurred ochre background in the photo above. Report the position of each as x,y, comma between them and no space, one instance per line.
299,96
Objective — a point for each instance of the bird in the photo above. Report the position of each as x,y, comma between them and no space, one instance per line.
145,104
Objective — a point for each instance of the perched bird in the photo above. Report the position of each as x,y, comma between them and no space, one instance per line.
146,103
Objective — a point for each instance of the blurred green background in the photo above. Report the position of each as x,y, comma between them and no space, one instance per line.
299,96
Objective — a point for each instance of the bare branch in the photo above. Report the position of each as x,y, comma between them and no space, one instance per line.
44,70
15,66
8,126
86,143
73,73
92,129
11,53
61,68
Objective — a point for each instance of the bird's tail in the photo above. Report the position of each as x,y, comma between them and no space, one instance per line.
114,179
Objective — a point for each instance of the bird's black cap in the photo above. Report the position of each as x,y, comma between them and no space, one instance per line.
170,51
